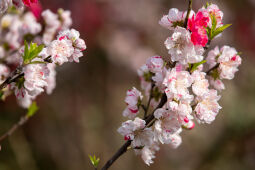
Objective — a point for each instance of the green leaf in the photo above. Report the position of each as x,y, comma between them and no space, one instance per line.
214,24
36,50
220,30
31,52
94,160
208,31
33,108
195,65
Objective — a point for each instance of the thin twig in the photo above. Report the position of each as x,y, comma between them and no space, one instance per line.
21,122
211,69
10,80
187,16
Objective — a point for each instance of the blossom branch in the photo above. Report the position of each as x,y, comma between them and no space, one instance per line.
18,74
181,88
124,147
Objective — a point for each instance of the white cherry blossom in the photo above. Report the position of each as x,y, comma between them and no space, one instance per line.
181,48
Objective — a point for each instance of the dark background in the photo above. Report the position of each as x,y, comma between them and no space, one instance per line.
84,111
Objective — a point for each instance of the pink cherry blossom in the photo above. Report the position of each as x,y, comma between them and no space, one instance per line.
197,25
29,2
155,64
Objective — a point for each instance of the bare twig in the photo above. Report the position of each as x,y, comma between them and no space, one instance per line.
21,122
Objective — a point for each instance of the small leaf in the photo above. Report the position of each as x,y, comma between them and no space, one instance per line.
220,30
94,160
195,65
33,108
36,50
206,5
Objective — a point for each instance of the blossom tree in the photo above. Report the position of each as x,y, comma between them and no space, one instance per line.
33,44
180,89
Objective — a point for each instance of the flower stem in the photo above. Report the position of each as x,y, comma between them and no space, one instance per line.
149,101
211,69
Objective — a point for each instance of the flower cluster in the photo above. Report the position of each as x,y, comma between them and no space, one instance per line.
31,67
189,93
5,4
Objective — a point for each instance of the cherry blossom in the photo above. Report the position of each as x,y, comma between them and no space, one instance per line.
132,100
181,47
197,25
229,61
177,83
207,107
174,18
155,64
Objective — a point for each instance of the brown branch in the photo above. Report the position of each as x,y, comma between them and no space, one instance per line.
121,151
15,76
188,12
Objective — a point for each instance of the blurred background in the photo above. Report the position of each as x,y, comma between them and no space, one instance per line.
83,113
